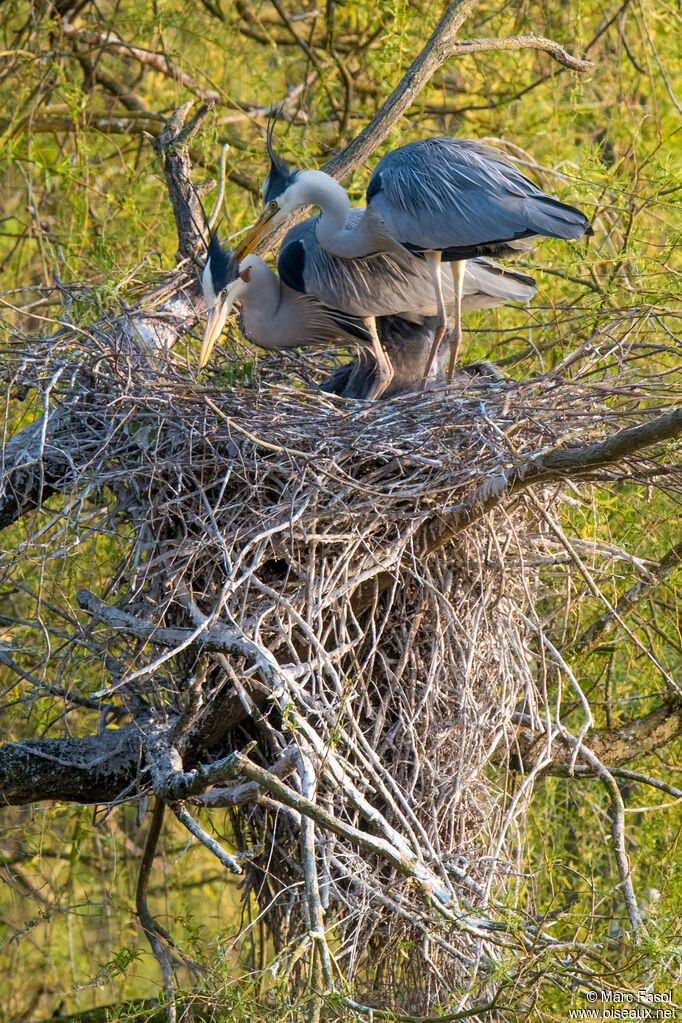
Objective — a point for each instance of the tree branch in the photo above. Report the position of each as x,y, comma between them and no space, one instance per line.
440,47
613,747
563,463
527,42
149,924
111,42
172,148
604,625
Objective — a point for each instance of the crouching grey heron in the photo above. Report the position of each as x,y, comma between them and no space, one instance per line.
438,200
347,295
408,345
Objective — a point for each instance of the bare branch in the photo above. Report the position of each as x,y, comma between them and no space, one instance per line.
440,47
149,924
635,740
565,462
156,61
171,146
604,625
527,42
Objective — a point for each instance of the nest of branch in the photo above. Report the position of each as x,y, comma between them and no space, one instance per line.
369,567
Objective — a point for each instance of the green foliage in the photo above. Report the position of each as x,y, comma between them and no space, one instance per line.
85,202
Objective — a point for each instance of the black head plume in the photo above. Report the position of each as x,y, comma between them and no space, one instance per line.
280,175
218,260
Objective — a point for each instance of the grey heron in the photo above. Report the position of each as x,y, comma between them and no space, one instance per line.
408,345
319,299
438,199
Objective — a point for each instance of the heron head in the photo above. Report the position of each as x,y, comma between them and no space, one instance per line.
279,199
223,284
280,176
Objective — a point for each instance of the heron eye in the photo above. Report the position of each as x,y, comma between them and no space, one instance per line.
273,204
223,293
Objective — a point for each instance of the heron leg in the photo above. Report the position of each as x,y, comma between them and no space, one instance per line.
458,269
383,373
434,265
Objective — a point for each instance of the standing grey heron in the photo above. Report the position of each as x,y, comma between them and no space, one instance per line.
320,299
438,199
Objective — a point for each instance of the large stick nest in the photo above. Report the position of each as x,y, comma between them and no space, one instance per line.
374,574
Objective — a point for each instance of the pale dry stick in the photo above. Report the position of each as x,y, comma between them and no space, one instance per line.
548,466
430,886
605,623
563,666
230,862
523,792
617,831
380,566
249,791
382,780
642,779
206,635
258,441
295,617
377,895
309,864
278,106
370,765
340,776
250,707
596,592
603,549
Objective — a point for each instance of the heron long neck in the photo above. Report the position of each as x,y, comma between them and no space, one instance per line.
315,188
262,306
274,316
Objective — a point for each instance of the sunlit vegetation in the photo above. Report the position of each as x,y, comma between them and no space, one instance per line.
87,229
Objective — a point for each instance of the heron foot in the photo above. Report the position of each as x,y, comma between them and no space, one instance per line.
382,378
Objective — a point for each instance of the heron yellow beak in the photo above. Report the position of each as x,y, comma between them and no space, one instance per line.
259,231
214,325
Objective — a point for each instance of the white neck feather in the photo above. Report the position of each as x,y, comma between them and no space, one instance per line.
315,188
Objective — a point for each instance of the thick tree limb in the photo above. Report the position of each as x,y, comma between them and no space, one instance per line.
100,768
88,770
172,148
563,463
613,747
440,47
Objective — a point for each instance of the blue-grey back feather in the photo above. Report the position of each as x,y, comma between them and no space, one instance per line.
388,283
459,196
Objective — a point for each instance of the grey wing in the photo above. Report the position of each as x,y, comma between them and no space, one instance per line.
389,284
456,194
383,284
